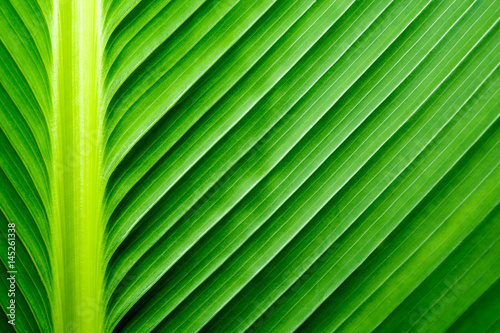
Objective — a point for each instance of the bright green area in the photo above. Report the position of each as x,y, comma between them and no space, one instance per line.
242,165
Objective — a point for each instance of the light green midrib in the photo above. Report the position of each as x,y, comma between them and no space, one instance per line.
77,182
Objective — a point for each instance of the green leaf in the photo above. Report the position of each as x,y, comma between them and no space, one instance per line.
241,165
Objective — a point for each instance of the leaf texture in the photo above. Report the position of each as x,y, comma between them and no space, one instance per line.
261,166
